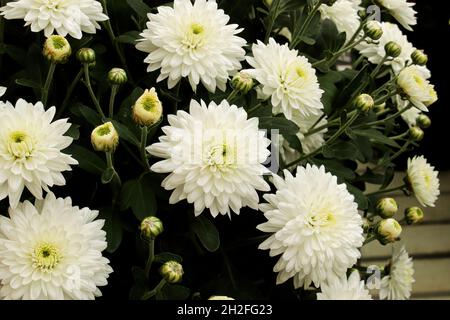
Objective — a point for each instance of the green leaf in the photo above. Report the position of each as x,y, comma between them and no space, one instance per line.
28,83
360,198
108,175
130,37
139,196
206,232
112,227
125,133
87,160
284,125
377,136
73,132
89,114
173,292
167,256
336,168
340,150
139,7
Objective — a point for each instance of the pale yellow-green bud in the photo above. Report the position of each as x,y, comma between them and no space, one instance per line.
86,55
364,102
171,271
151,227
117,76
386,207
268,3
220,298
379,107
373,30
392,49
423,121
416,133
388,230
148,109
419,57
57,49
242,82
413,215
105,138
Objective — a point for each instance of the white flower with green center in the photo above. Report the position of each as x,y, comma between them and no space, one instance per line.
402,11
375,51
214,155
63,16
397,285
287,78
344,13
193,41
30,150
352,288
423,181
315,227
52,251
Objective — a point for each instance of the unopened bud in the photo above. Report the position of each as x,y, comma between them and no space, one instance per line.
242,82
416,133
117,76
57,49
392,49
86,55
105,138
386,207
364,102
148,109
171,271
151,227
413,215
373,30
423,121
388,230
419,57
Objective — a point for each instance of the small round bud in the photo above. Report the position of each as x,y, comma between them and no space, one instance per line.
423,121
57,49
392,49
105,138
419,57
268,3
416,133
373,30
388,230
386,208
117,76
413,215
242,82
151,227
364,102
171,271
220,298
362,13
86,55
148,109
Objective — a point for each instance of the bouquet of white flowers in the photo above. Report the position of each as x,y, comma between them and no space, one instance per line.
154,152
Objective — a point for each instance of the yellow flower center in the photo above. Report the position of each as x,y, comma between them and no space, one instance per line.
194,37
322,218
46,256
20,145
221,155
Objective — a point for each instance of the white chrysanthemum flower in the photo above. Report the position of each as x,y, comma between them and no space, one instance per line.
52,251
315,226
423,181
193,41
286,77
344,13
402,11
413,82
63,16
397,285
30,150
352,288
375,51
214,155
310,142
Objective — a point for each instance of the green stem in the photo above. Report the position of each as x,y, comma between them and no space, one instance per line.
337,54
110,164
298,37
155,291
385,191
144,133
232,95
151,256
395,156
379,66
48,83
369,239
395,115
254,108
114,88
273,14
69,93
176,93
87,80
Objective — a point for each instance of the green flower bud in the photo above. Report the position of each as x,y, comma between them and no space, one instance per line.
105,138
148,109
413,215
117,76
392,49
416,133
268,3
362,13
386,207
151,227
364,102
423,121
419,57
388,230
220,298
57,49
171,271
86,55
373,30
242,82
